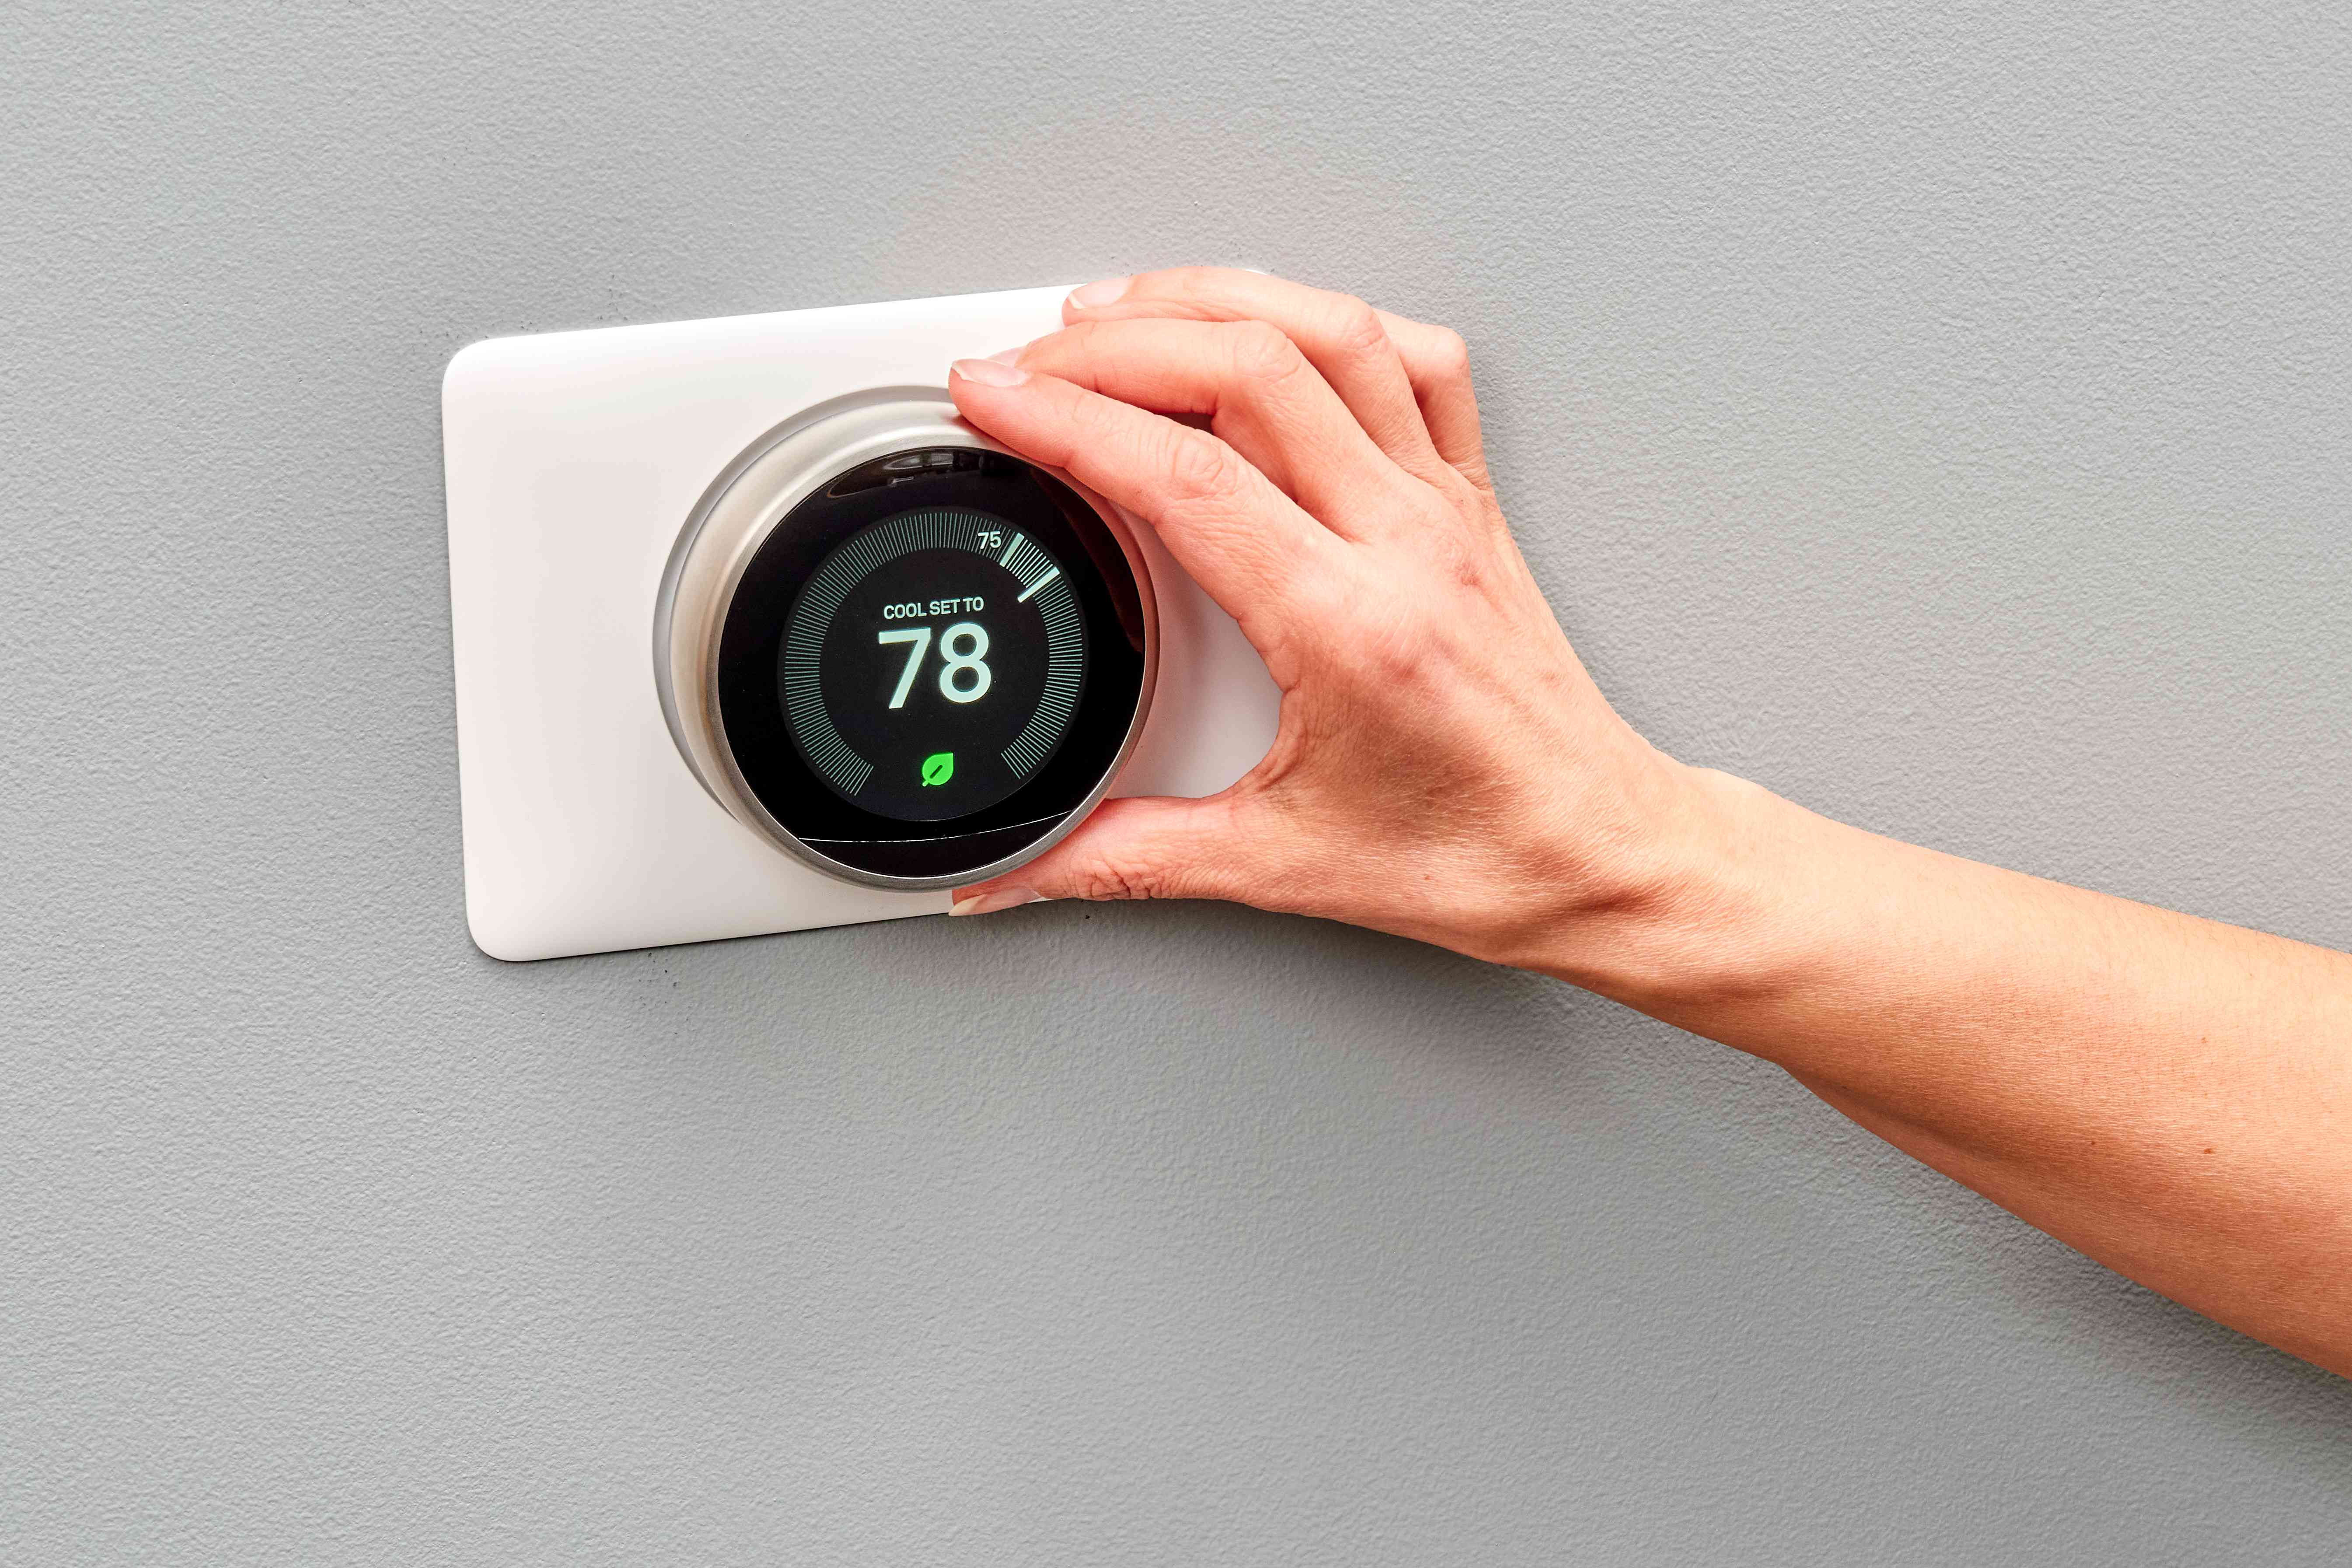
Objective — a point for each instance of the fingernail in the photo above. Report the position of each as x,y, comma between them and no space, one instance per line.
1009,356
989,372
1102,291
995,898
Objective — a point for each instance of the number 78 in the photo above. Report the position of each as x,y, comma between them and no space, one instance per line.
970,661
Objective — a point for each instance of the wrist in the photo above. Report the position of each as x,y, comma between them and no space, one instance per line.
1683,916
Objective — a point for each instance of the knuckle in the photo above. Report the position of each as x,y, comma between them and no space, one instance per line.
1200,468
1448,355
1452,551
1260,351
1355,328
1106,878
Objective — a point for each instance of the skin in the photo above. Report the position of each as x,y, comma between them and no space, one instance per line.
2171,1096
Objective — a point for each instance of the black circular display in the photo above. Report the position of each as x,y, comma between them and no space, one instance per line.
931,663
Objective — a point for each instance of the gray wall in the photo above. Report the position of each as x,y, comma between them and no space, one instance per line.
1937,412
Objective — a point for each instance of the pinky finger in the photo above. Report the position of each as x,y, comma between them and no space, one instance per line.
1437,364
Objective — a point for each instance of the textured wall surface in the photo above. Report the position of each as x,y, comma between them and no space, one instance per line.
1937,412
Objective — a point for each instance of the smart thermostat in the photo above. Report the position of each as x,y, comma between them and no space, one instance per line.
753,633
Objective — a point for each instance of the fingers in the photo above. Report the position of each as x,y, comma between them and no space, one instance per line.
1407,384
1259,393
1245,541
1341,336
1143,847
1438,362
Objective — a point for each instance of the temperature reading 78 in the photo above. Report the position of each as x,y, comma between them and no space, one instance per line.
964,653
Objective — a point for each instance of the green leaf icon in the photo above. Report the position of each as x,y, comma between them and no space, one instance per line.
939,767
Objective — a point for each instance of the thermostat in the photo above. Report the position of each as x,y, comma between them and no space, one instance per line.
906,656
754,633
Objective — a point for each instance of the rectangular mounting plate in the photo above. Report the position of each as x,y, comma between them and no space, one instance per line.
573,459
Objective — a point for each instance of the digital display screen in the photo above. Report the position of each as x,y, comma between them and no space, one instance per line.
931,663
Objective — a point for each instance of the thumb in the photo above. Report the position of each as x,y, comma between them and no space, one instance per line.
1145,846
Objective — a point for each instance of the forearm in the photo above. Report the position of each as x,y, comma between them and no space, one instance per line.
2169,1095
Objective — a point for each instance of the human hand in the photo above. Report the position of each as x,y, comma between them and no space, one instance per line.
1443,769
2165,1094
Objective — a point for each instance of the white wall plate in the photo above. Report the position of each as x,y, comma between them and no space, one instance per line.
574,460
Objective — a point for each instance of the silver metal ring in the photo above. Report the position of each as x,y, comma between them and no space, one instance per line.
736,516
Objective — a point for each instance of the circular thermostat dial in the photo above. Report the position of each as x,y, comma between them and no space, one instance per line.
903,654
933,664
